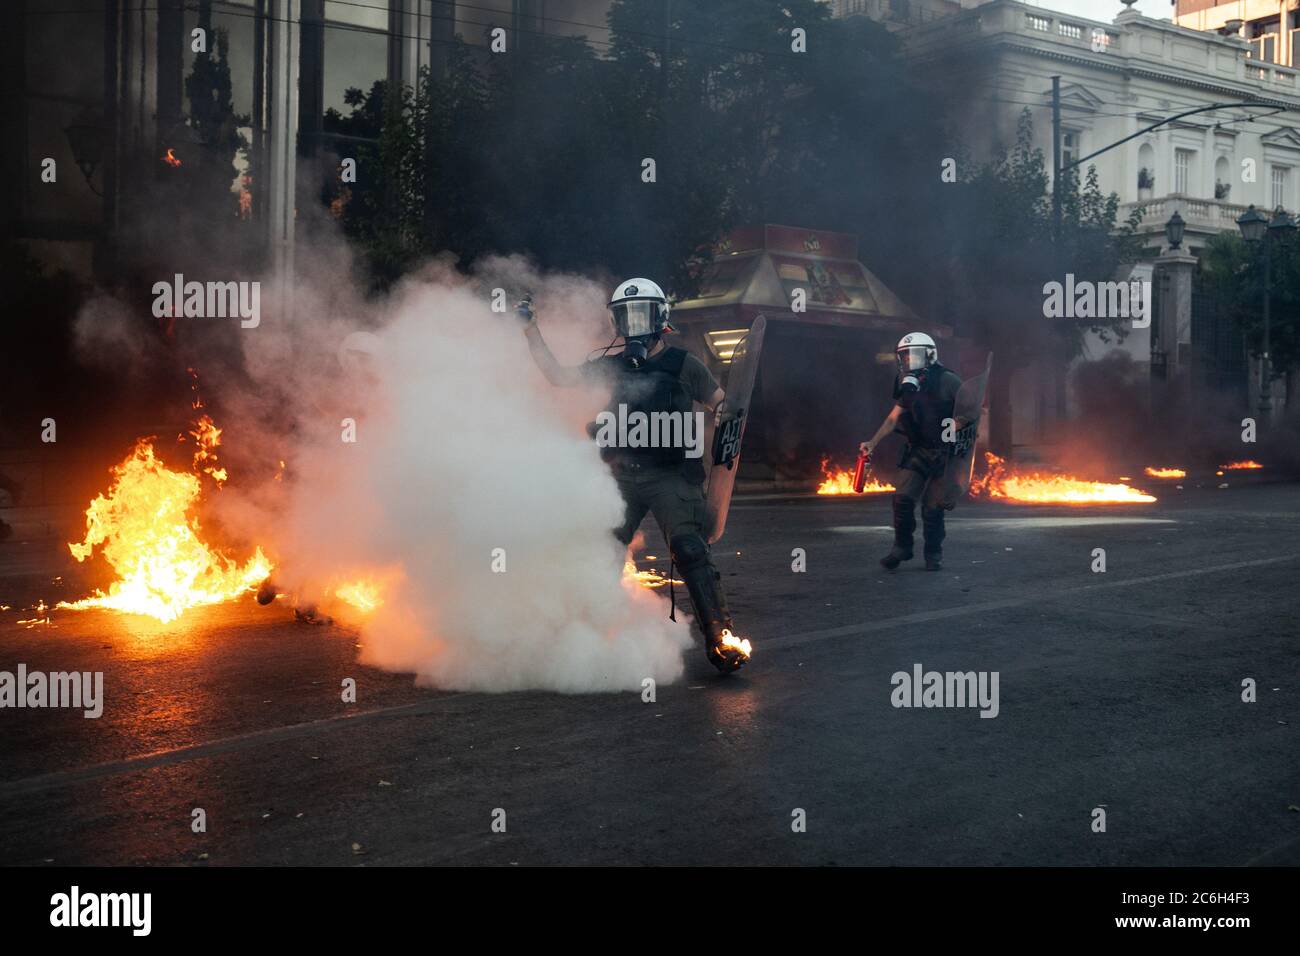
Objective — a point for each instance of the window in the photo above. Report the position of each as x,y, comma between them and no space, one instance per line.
1182,170
1070,150
1279,183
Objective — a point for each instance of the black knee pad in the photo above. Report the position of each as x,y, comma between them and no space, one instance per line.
688,550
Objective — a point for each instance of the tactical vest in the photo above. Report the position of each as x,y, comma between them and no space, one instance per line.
924,411
656,387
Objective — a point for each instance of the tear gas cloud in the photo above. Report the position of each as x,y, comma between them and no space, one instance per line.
461,449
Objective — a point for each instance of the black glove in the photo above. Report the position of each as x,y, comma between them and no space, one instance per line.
524,309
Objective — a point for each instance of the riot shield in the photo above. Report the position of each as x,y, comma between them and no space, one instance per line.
967,407
726,440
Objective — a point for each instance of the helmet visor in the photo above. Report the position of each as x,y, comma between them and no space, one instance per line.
913,358
635,318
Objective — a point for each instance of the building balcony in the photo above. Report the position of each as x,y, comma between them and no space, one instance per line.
1203,216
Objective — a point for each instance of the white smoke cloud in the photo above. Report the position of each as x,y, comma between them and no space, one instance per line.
462,448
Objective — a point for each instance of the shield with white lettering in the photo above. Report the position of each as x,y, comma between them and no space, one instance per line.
730,433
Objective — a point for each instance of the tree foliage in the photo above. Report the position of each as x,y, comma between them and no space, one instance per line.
1000,238
1233,270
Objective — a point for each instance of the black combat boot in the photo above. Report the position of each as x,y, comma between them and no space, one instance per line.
691,557
933,531
904,525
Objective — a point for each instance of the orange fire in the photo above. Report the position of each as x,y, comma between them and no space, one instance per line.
364,595
170,159
647,579
1003,481
1241,466
144,530
207,436
1163,473
741,644
840,482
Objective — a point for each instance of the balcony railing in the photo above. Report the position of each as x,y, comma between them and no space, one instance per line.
1201,215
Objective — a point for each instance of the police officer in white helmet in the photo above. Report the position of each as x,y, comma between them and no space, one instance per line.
649,377
924,394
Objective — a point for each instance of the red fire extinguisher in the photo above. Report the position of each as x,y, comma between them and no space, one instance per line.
860,473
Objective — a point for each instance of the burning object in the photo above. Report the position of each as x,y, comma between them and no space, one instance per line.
730,653
647,579
840,481
1163,472
144,528
1242,466
1001,480
737,645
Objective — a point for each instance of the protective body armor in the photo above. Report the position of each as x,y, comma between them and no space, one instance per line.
656,387
924,411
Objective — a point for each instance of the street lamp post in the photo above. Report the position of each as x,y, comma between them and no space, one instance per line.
1174,230
1254,225
1160,329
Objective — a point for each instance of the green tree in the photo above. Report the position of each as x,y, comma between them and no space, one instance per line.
544,152
1001,251
383,210
1234,272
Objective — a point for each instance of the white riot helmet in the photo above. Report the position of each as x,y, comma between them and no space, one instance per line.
638,307
916,351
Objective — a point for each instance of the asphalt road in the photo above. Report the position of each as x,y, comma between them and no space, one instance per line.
1118,690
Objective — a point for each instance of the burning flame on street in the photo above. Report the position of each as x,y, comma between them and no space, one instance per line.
739,644
647,579
143,528
364,595
42,614
1003,481
1241,466
1163,472
840,482
170,159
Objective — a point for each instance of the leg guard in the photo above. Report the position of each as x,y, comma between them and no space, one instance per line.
691,557
904,526
932,528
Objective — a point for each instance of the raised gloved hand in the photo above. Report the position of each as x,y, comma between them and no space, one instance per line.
524,309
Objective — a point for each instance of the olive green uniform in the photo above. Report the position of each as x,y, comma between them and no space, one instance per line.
923,462
672,491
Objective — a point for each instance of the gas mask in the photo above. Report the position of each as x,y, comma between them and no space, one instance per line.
636,350
912,361
639,322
